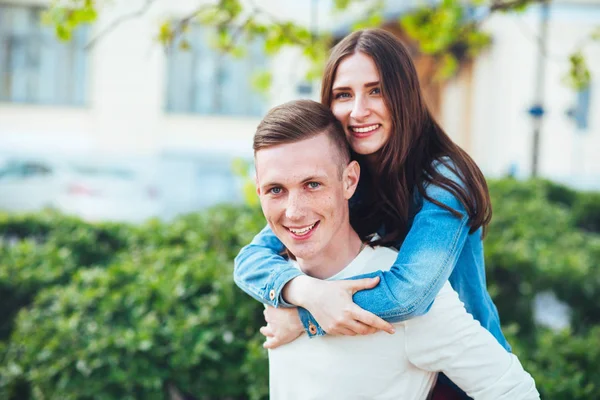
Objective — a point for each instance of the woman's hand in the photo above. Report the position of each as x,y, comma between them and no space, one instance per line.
330,302
283,326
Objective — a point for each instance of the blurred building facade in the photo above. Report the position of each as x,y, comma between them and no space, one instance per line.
503,89
125,95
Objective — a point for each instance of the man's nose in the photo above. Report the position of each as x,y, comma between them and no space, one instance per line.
294,210
360,108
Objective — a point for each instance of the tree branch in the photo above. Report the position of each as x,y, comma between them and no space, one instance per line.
499,5
183,23
114,24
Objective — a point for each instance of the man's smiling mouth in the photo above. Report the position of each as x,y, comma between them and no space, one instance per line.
302,231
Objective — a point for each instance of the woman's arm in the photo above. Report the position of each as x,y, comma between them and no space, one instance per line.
262,273
425,261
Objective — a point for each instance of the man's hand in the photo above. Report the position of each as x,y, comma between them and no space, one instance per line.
283,326
330,302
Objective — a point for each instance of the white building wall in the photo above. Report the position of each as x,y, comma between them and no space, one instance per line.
125,112
503,90
127,83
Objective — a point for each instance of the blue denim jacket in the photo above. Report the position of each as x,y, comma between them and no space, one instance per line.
438,247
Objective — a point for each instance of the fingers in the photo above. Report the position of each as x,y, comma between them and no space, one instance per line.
341,331
266,314
361,329
362,284
372,320
271,343
267,331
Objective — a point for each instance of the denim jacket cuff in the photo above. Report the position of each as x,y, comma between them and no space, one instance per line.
311,326
274,296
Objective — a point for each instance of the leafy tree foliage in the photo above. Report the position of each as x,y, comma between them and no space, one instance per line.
448,30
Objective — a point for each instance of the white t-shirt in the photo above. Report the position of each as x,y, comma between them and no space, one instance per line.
403,365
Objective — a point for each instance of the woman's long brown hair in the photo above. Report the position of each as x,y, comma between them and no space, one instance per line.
408,160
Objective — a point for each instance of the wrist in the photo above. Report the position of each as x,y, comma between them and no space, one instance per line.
297,325
296,291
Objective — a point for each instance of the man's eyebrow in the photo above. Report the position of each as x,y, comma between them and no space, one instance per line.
367,85
270,184
315,177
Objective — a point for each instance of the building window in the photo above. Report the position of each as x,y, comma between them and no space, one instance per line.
582,112
202,80
35,67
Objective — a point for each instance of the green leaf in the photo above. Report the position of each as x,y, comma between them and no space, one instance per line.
232,7
579,75
184,45
261,81
448,66
165,33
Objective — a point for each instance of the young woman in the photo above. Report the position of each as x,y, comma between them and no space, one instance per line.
418,191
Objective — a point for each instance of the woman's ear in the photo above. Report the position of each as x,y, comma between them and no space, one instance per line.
350,178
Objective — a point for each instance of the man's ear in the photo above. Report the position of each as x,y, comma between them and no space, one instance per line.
257,185
350,178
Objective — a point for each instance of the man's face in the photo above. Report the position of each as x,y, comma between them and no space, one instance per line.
303,196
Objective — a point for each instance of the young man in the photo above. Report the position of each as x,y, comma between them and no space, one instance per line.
304,180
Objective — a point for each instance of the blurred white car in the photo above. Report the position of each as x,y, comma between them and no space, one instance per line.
29,185
194,181
106,192
92,190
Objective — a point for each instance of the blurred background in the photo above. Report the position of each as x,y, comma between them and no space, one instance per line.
110,104
125,167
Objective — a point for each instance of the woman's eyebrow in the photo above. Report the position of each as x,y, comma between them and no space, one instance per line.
367,85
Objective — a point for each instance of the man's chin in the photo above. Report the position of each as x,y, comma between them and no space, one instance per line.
300,251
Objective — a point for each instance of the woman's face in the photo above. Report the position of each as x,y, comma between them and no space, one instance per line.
358,104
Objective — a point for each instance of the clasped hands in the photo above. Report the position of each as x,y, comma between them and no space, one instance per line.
330,302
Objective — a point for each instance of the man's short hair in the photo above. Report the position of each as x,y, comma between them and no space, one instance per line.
299,120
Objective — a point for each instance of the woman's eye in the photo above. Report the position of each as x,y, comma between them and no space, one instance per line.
342,95
376,91
314,185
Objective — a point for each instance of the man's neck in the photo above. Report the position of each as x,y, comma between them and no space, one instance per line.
343,249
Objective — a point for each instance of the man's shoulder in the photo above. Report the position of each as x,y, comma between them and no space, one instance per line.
370,259
382,258
382,251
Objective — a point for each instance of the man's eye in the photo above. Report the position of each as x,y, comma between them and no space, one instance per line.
275,190
314,185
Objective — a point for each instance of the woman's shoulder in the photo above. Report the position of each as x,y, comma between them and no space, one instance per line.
441,190
446,167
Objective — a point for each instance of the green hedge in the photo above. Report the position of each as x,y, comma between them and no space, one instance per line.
112,311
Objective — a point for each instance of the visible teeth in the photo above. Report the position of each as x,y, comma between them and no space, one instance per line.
302,231
366,129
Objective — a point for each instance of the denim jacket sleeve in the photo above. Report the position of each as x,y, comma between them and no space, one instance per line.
425,261
262,272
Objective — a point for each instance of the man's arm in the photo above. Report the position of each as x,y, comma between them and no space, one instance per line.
449,340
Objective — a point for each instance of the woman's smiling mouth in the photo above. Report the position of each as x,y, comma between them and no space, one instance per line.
363,131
